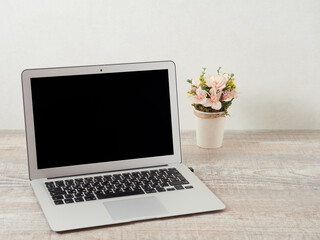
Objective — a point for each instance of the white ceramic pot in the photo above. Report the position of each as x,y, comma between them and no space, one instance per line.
209,129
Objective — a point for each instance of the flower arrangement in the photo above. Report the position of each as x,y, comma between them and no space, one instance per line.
213,93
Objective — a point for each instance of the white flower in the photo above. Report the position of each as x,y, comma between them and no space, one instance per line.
215,99
216,81
196,82
201,97
229,95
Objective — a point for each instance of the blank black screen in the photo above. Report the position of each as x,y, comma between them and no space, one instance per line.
102,117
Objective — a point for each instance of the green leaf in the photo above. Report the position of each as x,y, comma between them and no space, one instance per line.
203,72
189,81
218,71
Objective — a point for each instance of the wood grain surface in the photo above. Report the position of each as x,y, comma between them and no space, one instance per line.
269,181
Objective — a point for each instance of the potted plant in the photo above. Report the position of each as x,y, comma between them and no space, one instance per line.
211,95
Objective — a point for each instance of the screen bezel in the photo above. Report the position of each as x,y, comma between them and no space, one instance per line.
35,173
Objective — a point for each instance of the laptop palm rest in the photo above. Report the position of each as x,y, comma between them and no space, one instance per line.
135,208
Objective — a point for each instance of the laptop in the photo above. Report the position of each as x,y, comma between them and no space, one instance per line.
104,147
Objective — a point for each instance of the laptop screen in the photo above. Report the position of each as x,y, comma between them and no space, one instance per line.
103,117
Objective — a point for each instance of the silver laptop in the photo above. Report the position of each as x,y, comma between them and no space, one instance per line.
104,145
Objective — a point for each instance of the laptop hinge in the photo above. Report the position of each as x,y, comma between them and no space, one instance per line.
120,170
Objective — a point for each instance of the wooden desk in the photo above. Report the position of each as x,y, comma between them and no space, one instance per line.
269,181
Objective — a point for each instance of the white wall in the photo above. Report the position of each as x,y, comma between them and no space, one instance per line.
271,46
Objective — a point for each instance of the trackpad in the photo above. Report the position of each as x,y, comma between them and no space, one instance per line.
135,208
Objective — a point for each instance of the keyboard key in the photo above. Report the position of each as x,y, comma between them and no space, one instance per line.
90,198
188,187
154,173
160,189
69,200
171,189
59,183
107,177
96,184
81,190
58,202
79,199
89,194
135,174
56,189
117,176
69,182
70,191
68,196
179,187
150,190
78,180
178,182
98,178
173,171
102,195
120,194
57,193
50,185
127,175
57,197
165,184
77,195
90,189
88,180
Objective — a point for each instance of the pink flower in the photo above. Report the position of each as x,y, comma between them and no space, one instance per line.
200,97
229,95
215,99
196,82
216,81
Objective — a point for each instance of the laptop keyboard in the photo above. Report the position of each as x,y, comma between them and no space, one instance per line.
116,185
